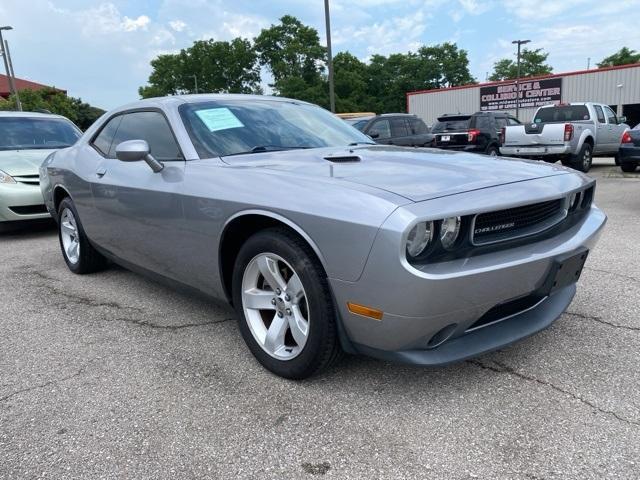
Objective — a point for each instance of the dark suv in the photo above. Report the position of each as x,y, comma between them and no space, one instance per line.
478,132
395,129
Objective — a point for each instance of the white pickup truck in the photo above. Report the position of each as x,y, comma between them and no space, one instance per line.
573,133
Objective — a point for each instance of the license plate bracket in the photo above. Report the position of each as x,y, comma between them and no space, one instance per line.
565,271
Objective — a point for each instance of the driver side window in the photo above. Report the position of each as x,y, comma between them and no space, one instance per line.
382,128
152,127
611,116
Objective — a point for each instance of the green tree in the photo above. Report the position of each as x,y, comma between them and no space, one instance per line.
532,63
216,66
291,49
624,56
444,65
292,53
55,101
350,84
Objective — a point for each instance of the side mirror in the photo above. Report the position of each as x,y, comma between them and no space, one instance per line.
136,150
622,119
374,135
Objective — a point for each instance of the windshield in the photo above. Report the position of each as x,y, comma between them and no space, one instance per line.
565,113
457,124
232,127
360,124
25,133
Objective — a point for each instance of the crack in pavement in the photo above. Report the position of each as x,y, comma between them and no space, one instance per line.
79,372
615,274
601,320
145,323
502,368
74,298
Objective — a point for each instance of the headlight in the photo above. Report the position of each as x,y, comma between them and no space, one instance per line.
419,238
6,178
449,230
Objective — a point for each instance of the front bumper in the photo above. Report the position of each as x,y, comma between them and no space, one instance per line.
420,303
18,201
536,151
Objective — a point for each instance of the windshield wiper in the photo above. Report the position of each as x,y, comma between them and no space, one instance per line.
267,148
353,144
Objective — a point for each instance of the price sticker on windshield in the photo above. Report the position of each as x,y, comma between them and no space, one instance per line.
218,119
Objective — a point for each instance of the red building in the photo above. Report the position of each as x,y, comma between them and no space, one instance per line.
21,84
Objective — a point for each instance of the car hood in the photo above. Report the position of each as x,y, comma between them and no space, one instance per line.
22,162
414,173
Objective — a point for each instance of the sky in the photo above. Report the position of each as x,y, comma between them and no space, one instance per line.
100,50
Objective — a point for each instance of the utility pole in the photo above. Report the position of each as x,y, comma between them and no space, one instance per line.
4,46
519,43
332,97
195,79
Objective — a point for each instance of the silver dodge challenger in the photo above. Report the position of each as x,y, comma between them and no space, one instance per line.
323,241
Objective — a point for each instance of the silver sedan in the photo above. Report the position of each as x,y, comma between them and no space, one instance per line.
323,241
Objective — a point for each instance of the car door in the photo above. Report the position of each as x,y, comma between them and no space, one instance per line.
139,212
602,131
400,132
419,132
613,138
380,131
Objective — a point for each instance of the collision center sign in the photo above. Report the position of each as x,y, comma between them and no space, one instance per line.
533,93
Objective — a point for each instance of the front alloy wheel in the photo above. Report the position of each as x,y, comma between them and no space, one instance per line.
286,313
275,306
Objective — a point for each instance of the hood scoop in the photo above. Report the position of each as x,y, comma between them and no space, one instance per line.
343,158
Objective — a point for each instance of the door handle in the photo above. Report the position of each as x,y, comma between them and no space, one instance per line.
100,172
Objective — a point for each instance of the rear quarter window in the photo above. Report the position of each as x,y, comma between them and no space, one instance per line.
561,114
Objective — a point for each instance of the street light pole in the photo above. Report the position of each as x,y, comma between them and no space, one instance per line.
4,49
195,79
13,75
519,43
332,98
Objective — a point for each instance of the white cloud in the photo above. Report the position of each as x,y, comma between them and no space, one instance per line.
542,9
177,25
131,24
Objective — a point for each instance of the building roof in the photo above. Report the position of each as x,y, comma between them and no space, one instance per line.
21,84
552,75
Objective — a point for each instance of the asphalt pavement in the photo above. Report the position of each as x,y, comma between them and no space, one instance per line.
111,375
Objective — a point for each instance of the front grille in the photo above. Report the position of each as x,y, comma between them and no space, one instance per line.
29,209
517,222
28,179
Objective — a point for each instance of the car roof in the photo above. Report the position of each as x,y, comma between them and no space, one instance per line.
12,114
199,98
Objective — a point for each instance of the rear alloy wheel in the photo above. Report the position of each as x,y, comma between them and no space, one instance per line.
628,167
492,151
583,160
286,314
78,253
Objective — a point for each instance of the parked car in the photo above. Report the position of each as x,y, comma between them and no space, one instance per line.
629,153
320,239
478,132
573,133
25,141
394,129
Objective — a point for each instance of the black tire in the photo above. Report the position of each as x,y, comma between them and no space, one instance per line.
322,347
628,167
583,160
493,151
89,259
616,158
